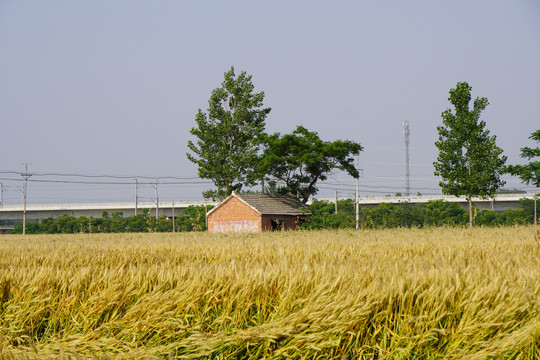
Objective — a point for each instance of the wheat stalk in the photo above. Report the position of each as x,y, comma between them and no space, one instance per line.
416,294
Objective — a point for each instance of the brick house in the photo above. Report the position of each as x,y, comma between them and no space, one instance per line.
256,212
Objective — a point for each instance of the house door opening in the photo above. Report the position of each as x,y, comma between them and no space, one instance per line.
277,224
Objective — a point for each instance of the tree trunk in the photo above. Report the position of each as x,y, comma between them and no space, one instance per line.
470,198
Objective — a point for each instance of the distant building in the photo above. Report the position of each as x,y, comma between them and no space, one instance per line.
257,212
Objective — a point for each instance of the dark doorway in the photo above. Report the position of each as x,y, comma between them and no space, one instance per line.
277,224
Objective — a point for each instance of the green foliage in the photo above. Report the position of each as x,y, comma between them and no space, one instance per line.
325,217
527,208
162,224
469,161
225,151
487,218
301,159
191,219
508,218
385,215
511,191
382,215
31,228
406,215
140,222
530,173
410,215
440,213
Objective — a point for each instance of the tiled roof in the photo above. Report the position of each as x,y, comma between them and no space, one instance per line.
275,204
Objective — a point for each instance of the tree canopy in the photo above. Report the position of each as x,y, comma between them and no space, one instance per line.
469,162
225,150
529,173
301,159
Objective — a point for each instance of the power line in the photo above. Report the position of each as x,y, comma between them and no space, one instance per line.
121,176
105,176
108,182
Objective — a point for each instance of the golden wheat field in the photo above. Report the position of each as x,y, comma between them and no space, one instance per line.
381,294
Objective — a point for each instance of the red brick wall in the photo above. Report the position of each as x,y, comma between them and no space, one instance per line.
234,216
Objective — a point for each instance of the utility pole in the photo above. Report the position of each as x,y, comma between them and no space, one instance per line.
26,176
357,191
173,219
157,201
205,212
407,134
1,194
336,202
136,195
535,211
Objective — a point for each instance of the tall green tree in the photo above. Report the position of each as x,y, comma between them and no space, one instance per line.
301,159
529,173
469,162
225,150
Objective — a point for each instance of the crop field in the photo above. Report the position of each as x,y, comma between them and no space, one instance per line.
373,294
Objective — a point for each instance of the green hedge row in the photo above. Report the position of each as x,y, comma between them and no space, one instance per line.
191,219
385,215
432,213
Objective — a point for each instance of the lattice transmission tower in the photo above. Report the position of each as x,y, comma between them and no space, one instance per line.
407,136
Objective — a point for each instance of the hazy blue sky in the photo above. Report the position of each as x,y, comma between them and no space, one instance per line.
112,87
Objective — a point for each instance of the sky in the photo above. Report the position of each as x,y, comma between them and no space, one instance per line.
112,87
